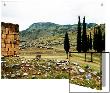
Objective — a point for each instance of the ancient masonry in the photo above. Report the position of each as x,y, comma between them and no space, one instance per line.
9,39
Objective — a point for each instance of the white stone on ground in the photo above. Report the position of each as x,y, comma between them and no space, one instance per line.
81,70
25,74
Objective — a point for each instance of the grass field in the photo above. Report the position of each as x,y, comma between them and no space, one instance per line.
53,65
27,66
87,73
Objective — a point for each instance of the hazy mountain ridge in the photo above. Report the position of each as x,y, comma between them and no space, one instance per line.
42,29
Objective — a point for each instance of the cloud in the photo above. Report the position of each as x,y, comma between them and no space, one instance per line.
26,12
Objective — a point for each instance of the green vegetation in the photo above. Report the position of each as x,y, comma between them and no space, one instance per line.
21,68
66,44
87,74
51,34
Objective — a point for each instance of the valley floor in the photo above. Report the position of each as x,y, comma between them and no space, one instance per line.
41,63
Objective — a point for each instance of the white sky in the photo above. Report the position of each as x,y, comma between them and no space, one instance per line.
26,12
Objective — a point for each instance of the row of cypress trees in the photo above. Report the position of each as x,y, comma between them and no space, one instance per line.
85,42
98,40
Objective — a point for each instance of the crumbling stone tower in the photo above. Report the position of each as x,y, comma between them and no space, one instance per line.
9,39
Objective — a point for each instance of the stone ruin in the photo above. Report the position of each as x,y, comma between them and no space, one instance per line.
9,39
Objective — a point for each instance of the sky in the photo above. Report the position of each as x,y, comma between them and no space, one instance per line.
26,12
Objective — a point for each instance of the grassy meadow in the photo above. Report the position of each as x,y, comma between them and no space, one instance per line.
87,73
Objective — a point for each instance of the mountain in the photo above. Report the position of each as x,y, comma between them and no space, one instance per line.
40,29
47,33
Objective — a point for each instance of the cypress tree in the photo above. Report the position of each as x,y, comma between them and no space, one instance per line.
79,35
84,37
66,44
95,39
90,43
99,40
90,46
103,42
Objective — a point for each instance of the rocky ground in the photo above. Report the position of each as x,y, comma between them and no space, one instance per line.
85,76
21,68
44,68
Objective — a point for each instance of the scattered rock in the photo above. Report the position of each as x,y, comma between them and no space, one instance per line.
18,74
13,75
81,70
25,74
78,67
94,73
98,77
33,76
23,61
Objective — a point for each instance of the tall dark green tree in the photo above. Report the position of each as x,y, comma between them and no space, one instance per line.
95,39
90,43
90,46
66,44
99,40
103,42
79,35
84,38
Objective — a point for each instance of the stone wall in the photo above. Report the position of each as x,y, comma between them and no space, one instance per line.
9,39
